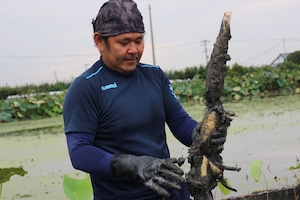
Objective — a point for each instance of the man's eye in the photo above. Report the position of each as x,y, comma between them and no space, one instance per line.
123,43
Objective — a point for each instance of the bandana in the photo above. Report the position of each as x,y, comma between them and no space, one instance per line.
118,16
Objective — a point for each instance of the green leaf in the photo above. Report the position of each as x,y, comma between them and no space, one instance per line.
40,102
293,168
236,89
23,106
5,116
77,189
16,104
255,92
31,106
57,109
6,173
223,189
50,102
256,169
280,82
227,88
20,115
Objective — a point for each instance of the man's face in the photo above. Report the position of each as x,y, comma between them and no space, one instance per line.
123,52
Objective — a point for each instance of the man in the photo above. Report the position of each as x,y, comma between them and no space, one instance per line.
115,115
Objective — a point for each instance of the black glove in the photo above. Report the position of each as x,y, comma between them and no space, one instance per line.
156,174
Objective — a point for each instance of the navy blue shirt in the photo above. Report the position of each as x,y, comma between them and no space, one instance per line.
123,114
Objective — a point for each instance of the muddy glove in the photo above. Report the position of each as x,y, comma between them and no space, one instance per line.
156,174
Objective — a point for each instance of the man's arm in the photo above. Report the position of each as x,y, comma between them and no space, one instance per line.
86,157
181,125
156,174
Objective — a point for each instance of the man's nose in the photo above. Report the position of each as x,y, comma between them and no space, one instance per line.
132,48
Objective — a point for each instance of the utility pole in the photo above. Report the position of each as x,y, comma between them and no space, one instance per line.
283,42
284,50
152,40
205,49
55,77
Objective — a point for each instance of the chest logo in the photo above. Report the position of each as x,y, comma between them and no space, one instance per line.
109,86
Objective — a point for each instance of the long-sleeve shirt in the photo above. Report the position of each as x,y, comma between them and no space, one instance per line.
106,113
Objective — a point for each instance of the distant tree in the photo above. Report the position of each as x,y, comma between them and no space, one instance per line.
190,72
177,74
236,70
202,71
294,57
289,66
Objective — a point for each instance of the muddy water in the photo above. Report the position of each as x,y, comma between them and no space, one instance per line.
265,129
45,158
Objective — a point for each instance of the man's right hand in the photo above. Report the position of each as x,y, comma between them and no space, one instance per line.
156,174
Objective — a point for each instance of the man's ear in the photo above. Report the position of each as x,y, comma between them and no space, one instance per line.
99,42
98,39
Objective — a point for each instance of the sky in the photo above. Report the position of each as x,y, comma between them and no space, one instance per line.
48,41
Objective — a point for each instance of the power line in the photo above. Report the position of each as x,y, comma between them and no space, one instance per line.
265,40
263,53
48,56
158,48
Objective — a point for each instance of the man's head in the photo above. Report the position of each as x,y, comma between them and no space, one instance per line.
119,35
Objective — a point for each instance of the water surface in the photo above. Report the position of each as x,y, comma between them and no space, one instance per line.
266,129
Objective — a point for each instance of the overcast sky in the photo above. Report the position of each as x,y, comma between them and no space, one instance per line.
45,41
